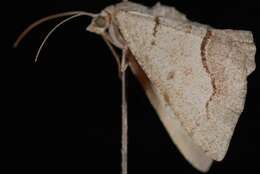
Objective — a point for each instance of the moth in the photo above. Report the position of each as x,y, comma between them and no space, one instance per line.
194,75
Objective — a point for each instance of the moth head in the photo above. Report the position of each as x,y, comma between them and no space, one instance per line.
99,23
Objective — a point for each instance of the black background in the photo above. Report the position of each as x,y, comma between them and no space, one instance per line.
62,114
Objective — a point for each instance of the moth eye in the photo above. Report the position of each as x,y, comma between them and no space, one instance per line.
100,22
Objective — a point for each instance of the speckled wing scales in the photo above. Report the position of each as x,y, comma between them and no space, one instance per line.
159,99
198,72
183,141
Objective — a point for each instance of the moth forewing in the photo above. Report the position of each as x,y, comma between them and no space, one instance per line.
179,136
190,67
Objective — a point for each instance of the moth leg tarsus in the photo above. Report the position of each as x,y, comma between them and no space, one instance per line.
116,56
124,61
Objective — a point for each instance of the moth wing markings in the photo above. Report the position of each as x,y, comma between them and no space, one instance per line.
230,57
243,41
176,49
231,66
171,53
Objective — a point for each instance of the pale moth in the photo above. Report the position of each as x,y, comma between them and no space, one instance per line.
195,76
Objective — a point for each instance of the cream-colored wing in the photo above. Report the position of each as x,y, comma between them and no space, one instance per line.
183,141
156,10
167,12
198,72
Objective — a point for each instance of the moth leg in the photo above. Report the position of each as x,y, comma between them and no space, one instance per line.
122,66
124,61
124,140
116,56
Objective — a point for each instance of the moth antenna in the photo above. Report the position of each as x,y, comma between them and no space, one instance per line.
53,29
45,19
